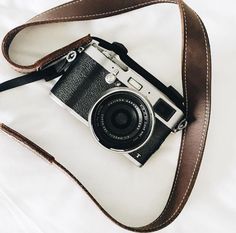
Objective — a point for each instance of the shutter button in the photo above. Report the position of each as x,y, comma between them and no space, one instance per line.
110,78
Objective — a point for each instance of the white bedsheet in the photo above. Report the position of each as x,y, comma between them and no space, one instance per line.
36,197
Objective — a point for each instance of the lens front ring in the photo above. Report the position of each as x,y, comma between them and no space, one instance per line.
122,120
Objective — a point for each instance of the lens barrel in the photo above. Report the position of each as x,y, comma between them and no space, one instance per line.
122,120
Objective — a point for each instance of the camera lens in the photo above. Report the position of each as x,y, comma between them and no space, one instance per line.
122,120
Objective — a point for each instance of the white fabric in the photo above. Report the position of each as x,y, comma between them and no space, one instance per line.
36,197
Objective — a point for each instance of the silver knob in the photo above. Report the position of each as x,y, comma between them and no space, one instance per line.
110,78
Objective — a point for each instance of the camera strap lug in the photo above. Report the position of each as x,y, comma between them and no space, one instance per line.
182,125
71,56
81,49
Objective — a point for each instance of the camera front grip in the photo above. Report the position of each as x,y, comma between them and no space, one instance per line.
160,133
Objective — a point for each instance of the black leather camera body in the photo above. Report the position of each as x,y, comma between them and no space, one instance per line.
125,112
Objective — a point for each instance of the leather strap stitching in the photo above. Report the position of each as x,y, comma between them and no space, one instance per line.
204,130
56,8
155,225
102,14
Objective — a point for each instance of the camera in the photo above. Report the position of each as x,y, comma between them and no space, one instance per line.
125,112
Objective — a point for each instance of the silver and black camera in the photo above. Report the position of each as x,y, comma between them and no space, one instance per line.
110,93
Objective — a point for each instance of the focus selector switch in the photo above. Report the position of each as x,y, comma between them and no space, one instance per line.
135,84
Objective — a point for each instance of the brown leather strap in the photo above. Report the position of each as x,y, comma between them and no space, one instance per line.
196,77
